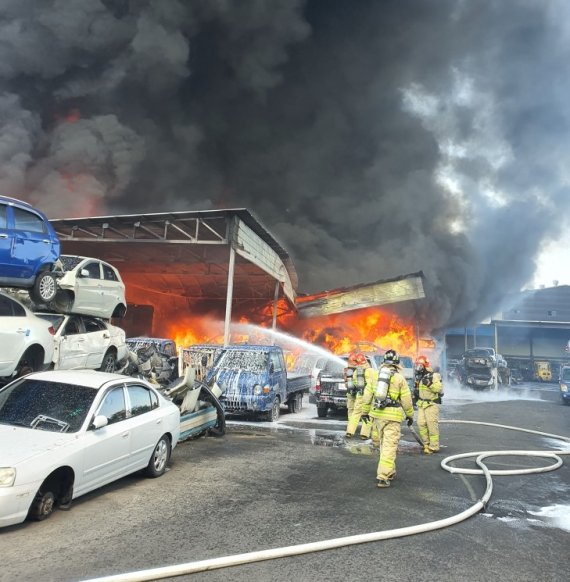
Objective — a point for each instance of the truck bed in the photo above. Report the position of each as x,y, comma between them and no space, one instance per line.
298,382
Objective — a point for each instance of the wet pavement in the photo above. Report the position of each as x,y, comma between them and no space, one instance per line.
296,481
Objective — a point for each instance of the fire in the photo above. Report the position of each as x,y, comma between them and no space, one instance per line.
368,329
364,329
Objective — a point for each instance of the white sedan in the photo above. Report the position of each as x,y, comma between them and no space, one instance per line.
89,287
66,433
26,341
86,342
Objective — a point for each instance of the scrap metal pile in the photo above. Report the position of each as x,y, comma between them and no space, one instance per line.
147,361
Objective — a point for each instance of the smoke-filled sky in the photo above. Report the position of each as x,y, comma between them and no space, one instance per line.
373,137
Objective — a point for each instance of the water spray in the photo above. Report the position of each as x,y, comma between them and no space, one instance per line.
250,328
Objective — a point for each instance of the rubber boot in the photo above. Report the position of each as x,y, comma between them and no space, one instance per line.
427,450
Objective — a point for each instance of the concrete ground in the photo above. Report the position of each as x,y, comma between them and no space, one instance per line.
271,485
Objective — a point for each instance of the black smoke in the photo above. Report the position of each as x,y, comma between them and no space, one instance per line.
373,137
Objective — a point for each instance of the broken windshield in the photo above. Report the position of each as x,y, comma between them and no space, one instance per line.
42,405
69,262
249,361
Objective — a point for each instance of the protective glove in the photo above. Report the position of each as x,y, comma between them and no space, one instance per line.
410,421
365,418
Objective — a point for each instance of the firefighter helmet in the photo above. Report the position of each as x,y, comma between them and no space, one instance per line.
423,361
391,357
357,359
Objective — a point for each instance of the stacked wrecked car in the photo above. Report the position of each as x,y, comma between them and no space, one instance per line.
54,309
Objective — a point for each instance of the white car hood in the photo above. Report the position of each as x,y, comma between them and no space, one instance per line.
20,444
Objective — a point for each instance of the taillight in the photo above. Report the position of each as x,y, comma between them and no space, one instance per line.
318,387
51,329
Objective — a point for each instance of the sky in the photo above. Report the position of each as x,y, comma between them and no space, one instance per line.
373,138
553,264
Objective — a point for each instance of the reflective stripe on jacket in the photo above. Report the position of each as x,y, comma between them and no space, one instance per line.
398,391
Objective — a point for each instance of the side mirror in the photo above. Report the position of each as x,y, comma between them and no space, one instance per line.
100,421
84,273
271,368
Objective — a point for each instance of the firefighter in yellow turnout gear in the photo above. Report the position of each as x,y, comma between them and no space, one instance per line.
430,391
387,401
357,375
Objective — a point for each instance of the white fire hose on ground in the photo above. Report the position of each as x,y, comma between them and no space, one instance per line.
259,556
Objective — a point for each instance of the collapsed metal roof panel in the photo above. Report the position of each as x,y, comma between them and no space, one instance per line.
385,292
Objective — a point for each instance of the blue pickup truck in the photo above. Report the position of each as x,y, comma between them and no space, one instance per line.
254,380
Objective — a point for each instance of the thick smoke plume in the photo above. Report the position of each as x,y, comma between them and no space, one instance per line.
374,137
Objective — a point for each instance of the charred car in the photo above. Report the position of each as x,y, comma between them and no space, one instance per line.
478,369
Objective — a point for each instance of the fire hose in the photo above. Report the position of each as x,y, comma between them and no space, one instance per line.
271,554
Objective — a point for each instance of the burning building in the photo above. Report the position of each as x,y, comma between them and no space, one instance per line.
188,275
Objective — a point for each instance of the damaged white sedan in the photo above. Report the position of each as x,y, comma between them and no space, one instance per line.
89,286
81,341
66,433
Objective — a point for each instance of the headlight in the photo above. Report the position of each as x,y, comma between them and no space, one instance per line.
563,388
470,379
7,476
257,389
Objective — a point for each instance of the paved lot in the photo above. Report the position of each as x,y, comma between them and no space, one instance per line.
265,486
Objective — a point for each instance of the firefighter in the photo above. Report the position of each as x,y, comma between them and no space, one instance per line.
357,375
387,401
430,391
422,364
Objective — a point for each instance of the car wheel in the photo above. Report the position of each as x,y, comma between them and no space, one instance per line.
159,458
296,403
273,414
109,363
322,411
119,311
43,504
26,365
45,288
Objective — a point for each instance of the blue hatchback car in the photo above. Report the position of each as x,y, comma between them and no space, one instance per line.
29,247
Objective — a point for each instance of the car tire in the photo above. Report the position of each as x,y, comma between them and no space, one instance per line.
273,413
45,288
119,311
159,458
322,411
28,363
43,504
296,403
109,363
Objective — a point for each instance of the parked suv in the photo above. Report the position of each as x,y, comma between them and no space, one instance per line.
29,247
26,341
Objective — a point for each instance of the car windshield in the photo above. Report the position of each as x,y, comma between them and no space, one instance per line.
333,367
55,319
250,361
43,405
69,262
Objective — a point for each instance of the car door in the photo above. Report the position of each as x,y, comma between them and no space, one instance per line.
278,375
72,344
112,289
146,422
32,243
88,288
6,240
13,334
107,449
97,340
